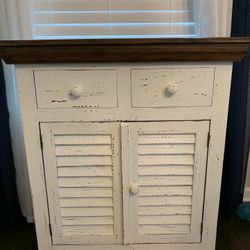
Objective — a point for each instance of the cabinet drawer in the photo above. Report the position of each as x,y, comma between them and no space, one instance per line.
76,89
172,87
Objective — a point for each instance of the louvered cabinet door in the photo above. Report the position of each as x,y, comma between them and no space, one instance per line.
82,166
163,168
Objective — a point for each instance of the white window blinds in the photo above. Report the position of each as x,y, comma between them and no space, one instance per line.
60,19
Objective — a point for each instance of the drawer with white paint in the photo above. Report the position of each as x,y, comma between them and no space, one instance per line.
76,88
172,87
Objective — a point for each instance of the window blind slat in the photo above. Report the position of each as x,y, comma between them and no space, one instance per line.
104,17
70,5
113,4
151,17
143,31
150,4
71,17
48,30
154,29
115,28
140,5
182,4
182,29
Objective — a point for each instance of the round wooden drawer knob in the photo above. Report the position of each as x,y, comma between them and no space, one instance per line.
76,91
172,89
134,188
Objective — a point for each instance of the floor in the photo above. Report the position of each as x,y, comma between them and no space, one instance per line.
233,234
18,237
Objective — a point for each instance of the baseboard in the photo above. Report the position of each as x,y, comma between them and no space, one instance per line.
246,197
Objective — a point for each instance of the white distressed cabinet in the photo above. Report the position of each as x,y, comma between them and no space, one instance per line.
125,155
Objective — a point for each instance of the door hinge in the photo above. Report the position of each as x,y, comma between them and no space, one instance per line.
50,229
208,139
201,228
41,141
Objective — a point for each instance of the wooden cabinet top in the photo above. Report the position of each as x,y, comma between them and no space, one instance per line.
123,50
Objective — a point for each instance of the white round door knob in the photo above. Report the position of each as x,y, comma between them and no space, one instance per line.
76,91
134,188
172,88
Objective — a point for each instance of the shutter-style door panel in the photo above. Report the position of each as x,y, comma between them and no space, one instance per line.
82,166
164,165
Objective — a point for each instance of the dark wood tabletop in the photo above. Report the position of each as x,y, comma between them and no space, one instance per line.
123,50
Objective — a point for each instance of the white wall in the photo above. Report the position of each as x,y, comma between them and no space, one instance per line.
3,22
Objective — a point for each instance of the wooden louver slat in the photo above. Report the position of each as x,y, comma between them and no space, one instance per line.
89,188
170,150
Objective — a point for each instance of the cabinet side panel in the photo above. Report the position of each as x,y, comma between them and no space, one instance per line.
216,152
27,100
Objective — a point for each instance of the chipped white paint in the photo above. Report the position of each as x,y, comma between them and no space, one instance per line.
172,87
97,218
132,136
158,223
76,89
31,131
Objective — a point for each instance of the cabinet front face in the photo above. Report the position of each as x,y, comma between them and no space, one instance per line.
164,165
163,174
120,155
82,166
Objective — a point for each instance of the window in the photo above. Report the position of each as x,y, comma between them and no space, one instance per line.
94,19
60,19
